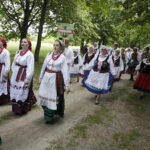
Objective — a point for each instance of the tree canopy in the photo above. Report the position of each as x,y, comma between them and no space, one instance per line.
107,21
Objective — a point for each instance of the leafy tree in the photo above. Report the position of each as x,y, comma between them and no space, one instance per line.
19,15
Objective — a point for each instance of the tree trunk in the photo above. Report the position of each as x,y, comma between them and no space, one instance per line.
82,46
24,29
41,23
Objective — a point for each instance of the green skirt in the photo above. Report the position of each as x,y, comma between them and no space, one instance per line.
0,140
49,114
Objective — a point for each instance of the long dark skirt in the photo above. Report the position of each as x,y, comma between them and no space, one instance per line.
4,99
49,114
23,107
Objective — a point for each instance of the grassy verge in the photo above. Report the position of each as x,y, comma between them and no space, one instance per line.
5,117
126,141
101,126
80,131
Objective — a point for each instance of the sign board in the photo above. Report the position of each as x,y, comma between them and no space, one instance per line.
65,30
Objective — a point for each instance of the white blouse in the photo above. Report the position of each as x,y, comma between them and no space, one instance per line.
5,58
25,60
68,52
59,64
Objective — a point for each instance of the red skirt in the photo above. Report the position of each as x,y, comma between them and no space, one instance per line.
142,82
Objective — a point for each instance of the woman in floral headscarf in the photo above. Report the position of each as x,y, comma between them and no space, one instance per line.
21,92
4,70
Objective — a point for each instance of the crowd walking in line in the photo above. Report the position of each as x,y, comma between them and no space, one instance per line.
99,68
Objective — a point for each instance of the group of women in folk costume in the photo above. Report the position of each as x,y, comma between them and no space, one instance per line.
101,68
54,79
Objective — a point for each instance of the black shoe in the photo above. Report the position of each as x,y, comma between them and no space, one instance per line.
49,121
142,96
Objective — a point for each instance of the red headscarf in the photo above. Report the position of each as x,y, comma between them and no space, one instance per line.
4,42
30,45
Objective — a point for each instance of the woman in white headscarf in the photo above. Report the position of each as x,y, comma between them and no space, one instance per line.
100,77
88,62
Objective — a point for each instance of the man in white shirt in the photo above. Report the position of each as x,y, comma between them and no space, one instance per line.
68,52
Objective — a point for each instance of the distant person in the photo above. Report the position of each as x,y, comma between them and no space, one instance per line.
76,65
115,47
118,65
54,79
96,49
21,92
68,52
128,54
145,53
123,56
132,63
4,72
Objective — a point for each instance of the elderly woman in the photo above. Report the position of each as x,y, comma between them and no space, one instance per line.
118,65
21,92
142,82
54,80
100,78
4,70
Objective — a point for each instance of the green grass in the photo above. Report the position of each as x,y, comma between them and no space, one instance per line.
35,107
6,117
56,147
98,116
71,143
126,141
80,131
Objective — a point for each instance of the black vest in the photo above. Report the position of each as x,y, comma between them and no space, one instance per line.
76,60
88,58
116,62
144,68
104,68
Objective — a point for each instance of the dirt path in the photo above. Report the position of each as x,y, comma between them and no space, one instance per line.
30,132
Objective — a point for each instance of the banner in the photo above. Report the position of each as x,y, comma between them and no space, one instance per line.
65,30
